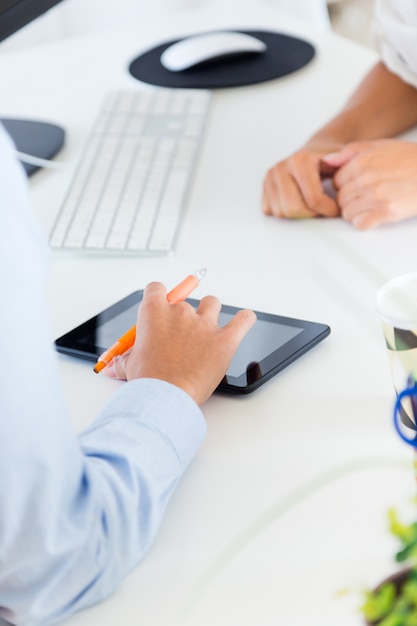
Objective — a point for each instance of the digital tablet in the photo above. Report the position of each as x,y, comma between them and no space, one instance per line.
272,343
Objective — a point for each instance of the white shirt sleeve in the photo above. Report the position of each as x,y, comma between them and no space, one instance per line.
77,513
394,31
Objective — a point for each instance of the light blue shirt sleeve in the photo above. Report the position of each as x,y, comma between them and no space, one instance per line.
76,513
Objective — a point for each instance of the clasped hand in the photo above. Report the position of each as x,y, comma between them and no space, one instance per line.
375,183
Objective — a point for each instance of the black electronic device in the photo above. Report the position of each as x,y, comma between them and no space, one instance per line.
14,14
272,344
37,138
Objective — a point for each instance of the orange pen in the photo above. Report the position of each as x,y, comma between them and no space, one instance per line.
126,341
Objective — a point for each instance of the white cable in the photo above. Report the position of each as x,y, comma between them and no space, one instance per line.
38,161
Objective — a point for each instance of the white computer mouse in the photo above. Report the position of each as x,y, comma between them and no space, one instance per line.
209,46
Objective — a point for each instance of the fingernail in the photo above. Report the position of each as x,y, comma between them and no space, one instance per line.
110,369
358,221
331,155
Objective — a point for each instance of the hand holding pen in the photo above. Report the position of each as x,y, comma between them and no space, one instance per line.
182,345
126,341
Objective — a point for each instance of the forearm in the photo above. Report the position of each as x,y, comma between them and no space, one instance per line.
86,530
382,106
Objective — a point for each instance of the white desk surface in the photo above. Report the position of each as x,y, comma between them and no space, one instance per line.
284,505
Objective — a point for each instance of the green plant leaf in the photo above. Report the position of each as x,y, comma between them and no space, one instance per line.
409,592
393,620
406,533
411,619
379,603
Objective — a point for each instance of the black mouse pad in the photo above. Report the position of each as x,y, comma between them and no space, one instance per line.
285,54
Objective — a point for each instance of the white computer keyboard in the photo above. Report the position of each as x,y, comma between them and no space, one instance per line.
129,191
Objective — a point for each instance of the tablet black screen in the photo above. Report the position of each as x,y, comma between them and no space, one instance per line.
272,344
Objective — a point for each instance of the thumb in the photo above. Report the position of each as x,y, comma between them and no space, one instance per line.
117,367
337,159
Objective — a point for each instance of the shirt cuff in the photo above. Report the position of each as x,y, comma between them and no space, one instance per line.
163,407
